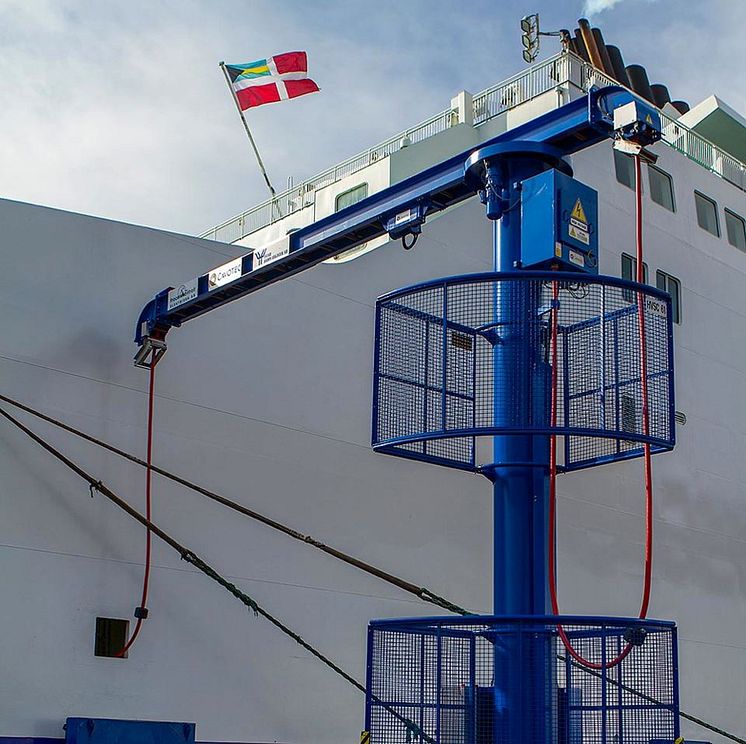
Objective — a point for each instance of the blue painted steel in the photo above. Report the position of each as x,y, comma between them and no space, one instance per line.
570,128
675,680
595,313
60,740
463,680
550,234
520,496
520,375
483,276
425,621
522,683
112,731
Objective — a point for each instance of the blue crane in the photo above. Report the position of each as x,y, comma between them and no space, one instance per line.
399,210
529,324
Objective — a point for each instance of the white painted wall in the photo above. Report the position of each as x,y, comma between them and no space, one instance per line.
268,401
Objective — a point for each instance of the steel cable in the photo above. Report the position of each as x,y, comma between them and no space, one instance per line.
420,592
192,558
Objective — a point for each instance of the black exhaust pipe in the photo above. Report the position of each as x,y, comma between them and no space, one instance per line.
617,64
660,95
638,79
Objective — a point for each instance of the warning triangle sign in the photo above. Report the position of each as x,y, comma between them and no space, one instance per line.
578,212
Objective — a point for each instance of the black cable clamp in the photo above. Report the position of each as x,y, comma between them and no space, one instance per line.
141,613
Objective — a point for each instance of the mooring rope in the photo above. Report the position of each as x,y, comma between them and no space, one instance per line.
192,558
422,593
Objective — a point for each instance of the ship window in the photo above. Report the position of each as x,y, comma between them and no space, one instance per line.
111,635
707,214
672,285
629,272
736,229
351,196
624,166
629,269
661,188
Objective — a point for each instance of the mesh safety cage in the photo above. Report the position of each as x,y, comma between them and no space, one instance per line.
462,359
504,680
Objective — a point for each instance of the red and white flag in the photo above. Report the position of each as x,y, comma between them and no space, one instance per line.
269,80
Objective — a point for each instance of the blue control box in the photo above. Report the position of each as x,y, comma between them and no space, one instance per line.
559,223
112,731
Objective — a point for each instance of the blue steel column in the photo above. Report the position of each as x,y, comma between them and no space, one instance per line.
524,679
521,462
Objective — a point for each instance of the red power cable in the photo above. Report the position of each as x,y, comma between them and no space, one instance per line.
141,612
646,431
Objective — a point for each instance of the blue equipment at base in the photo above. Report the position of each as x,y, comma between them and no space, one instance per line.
113,731
467,358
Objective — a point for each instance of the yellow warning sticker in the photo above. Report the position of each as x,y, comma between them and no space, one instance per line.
578,213
579,233
365,737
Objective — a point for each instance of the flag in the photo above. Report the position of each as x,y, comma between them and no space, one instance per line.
273,79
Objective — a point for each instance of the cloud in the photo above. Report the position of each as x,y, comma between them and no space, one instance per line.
592,7
120,110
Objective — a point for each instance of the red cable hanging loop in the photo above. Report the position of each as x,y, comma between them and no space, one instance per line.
141,612
646,431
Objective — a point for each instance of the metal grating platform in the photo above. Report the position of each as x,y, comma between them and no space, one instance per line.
438,398
502,680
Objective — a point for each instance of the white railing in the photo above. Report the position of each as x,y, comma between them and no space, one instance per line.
521,88
302,195
681,138
488,104
560,70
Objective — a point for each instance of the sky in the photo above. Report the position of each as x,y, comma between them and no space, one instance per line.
119,109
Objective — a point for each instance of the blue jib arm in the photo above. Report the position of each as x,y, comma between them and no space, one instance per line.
398,210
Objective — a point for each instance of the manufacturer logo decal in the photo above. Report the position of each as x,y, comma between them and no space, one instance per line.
224,274
270,253
181,295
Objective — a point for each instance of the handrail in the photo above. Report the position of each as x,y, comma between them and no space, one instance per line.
561,69
302,195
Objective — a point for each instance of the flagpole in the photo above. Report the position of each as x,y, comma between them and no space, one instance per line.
248,131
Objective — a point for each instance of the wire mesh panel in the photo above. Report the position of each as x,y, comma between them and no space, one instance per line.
477,680
462,359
